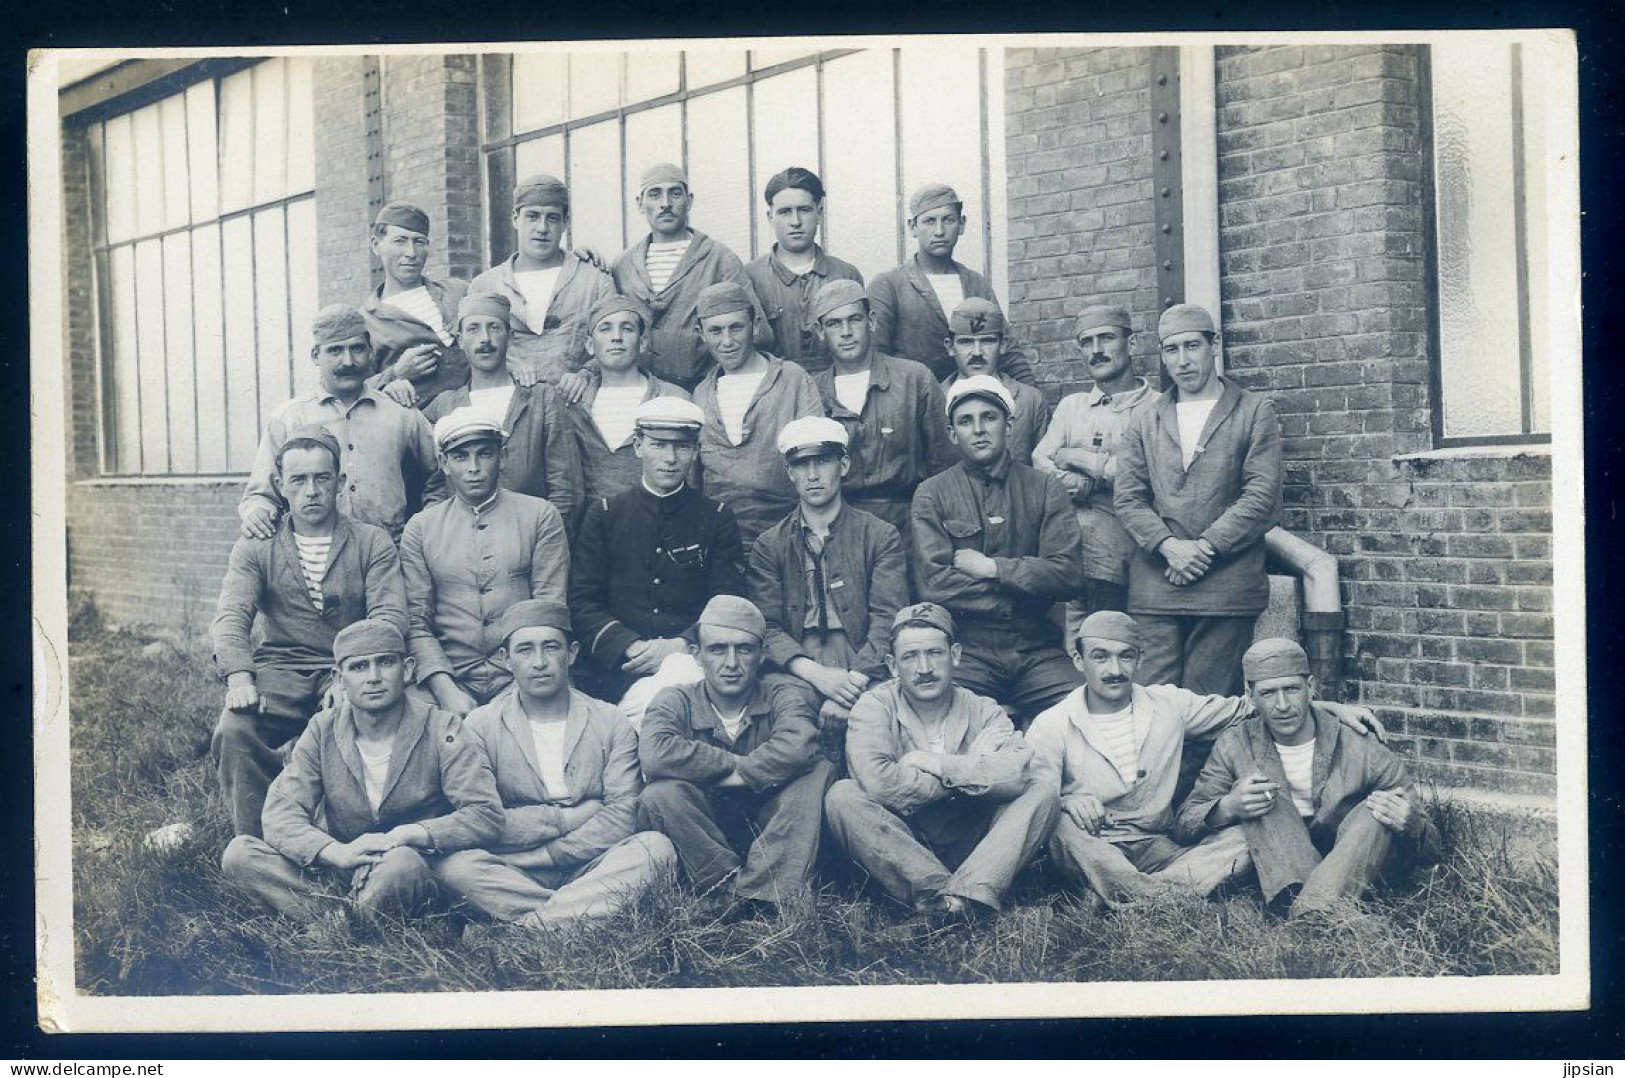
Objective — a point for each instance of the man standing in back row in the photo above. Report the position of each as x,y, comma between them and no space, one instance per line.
411,317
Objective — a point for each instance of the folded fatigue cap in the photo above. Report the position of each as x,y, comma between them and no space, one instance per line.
466,424
734,612
669,414
724,297
541,190
314,432
615,305
488,304
930,197
1110,625
403,215
533,614
976,315
927,614
369,636
810,432
835,295
661,173
1099,316
981,385
1184,318
1275,657
337,322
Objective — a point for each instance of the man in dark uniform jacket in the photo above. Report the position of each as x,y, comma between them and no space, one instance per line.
647,560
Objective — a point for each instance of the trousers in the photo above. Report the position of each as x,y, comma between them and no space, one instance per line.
1121,872
963,846
558,896
1097,595
779,831
1201,653
1286,856
1020,665
402,882
246,745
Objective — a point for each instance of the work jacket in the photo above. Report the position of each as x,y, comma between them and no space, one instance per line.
898,439
682,738
607,470
786,296
910,321
392,331
552,343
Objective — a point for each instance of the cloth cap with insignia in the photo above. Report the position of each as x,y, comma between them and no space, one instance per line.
932,196
1110,625
810,434
488,304
976,315
734,612
1275,657
1100,316
669,415
981,385
661,173
369,636
533,614
337,322
835,295
467,424
541,189
403,215
1184,318
926,615
724,297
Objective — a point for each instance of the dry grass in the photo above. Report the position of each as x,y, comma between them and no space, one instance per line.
150,924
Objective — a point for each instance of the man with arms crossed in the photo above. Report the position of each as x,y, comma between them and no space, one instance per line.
411,316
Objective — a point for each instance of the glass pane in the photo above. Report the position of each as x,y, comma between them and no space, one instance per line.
236,141
1478,293
652,137
595,186
147,136
538,90
242,378
119,179
707,66
183,404
208,333
860,161
172,124
762,58
719,169
1536,95
301,128
539,155
202,152
651,74
595,82
149,330
785,119
96,149
941,133
126,369
270,130
302,295
271,310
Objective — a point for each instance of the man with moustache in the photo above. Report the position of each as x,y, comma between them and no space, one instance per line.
378,787
942,808
566,768
828,578
976,343
1323,814
539,455
648,560
996,543
605,419
1080,448
411,316
913,301
790,274
891,408
471,557
669,268
1198,486
386,452
732,765
282,602
550,292
1113,750
747,399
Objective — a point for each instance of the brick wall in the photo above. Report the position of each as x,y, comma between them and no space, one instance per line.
79,310
342,218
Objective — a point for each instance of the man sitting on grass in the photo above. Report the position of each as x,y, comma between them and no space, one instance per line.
940,778
566,768
1322,814
732,762
376,787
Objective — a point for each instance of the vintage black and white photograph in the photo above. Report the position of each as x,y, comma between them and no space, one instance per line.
840,528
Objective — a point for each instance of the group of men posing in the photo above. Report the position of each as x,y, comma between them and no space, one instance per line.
592,578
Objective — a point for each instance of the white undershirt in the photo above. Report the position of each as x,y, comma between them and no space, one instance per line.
731,726
1299,763
950,292
662,261
548,738
375,769
1192,418
734,394
1116,731
492,402
313,551
851,389
615,410
537,288
420,305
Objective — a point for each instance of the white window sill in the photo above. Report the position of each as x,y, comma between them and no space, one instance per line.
1456,452
163,481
